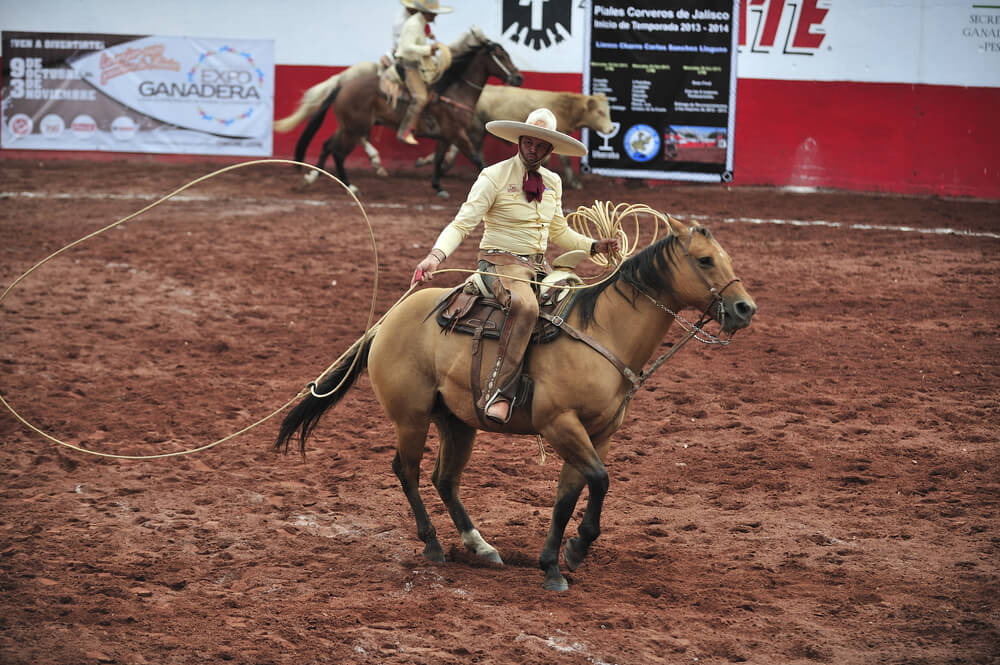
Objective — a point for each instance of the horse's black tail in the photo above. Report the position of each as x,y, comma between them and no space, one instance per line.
306,414
315,122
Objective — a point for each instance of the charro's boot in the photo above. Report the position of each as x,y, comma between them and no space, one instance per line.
504,379
406,127
418,93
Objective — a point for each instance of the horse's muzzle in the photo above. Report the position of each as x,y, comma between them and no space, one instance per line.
515,79
736,314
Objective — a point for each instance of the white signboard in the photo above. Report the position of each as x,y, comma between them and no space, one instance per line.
137,94
945,42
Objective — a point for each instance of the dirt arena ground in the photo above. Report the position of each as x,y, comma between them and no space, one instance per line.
826,489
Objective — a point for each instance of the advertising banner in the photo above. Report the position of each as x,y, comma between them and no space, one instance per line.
670,78
64,91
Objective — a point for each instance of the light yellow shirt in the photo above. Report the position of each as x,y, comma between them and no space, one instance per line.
413,44
510,222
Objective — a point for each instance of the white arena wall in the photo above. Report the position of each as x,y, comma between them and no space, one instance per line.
871,95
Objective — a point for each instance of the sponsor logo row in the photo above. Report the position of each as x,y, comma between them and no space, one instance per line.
642,143
82,127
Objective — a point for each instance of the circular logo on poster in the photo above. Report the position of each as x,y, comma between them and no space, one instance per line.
642,143
226,79
123,128
53,126
83,126
21,125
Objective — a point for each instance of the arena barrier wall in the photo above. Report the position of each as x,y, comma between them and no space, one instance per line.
897,97
878,137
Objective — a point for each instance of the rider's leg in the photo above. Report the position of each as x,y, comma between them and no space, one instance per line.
522,312
418,92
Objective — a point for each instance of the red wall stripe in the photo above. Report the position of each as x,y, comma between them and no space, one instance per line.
885,137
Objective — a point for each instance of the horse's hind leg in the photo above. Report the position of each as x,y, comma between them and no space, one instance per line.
584,466
454,451
312,175
406,465
339,146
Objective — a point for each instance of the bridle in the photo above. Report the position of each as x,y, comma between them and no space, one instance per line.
507,74
696,329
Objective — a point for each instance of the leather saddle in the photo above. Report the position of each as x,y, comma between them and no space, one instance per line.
471,309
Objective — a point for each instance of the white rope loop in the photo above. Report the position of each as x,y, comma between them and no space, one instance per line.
601,220
371,312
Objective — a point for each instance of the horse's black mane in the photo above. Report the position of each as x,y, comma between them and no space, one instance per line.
650,270
458,66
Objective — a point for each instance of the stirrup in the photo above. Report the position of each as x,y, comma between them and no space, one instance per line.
493,400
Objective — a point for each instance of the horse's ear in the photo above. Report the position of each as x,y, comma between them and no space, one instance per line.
676,226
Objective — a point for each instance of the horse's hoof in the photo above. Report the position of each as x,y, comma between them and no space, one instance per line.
381,172
555,583
442,194
311,177
492,557
572,553
354,189
433,552
576,184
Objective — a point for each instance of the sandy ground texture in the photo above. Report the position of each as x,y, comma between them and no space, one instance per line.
823,490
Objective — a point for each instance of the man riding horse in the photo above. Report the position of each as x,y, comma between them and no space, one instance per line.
411,52
520,204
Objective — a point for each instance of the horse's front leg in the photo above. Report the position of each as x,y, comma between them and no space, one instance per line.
374,157
449,159
439,151
463,143
569,175
584,466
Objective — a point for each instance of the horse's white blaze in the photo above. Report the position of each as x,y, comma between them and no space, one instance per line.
474,541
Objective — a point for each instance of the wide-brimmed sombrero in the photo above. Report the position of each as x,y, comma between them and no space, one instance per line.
541,124
429,6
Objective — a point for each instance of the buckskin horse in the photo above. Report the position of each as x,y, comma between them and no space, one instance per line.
581,389
358,104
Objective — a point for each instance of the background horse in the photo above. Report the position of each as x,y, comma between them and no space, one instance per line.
358,104
573,111
420,376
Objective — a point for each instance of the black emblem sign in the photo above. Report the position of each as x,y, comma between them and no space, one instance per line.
537,24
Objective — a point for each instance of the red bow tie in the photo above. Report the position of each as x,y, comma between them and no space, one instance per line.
427,30
533,186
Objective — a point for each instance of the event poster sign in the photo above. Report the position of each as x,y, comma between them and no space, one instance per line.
669,71
64,91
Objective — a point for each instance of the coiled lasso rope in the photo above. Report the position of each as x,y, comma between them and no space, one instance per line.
602,220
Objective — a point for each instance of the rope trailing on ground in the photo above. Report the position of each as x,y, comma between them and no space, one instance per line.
602,220
371,313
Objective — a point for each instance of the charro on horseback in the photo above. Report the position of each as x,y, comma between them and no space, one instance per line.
519,202
415,52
